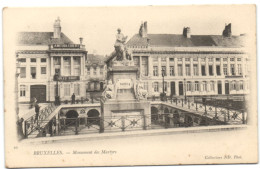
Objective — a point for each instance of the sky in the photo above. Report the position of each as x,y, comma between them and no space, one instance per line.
98,25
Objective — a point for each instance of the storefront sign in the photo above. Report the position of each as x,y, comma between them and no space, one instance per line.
66,46
124,84
66,78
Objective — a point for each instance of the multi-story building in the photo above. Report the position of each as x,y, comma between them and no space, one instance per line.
95,71
192,65
50,64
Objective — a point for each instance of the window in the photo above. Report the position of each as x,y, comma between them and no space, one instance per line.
233,85
33,60
188,86
238,59
203,70
22,90
218,69
155,70
204,86
210,70
224,59
217,59
212,87
57,71
187,59
195,70
179,70
171,70
225,69
76,66
203,59
43,70
195,59
94,71
33,72
88,70
241,85
43,60
232,69
155,59
56,60
23,72
210,59
67,63
179,59
23,60
66,89
144,65
156,86
77,89
171,59
187,70
136,61
164,71
232,59
239,69
196,87
163,59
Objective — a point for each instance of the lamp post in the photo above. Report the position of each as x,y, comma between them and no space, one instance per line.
185,97
57,97
163,93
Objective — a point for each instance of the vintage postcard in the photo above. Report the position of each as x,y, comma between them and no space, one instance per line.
124,86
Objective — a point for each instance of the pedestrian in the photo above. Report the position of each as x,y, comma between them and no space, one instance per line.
37,110
73,99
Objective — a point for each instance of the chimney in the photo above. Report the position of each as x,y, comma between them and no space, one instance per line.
143,30
80,40
57,28
186,32
227,31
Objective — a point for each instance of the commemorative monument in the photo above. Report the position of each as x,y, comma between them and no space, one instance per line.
124,95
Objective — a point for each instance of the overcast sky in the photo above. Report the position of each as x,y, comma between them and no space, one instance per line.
98,25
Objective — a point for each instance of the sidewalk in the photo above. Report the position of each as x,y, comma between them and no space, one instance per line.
139,133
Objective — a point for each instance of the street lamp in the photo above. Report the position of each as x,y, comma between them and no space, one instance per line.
57,97
163,93
185,97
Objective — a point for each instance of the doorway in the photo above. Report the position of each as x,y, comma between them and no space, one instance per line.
226,88
219,87
39,92
173,89
180,88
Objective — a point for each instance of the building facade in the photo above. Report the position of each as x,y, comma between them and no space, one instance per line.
50,64
191,65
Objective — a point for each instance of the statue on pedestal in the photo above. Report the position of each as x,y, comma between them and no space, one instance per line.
121,53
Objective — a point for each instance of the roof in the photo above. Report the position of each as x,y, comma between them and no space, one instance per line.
41,38
178,40
95,59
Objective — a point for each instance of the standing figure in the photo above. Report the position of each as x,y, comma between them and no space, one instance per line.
73,99
37,110
119,45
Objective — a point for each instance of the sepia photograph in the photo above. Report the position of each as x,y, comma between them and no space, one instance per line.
130,86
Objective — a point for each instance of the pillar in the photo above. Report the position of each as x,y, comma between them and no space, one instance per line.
177,87
191,67
199,66
214,67
140,66
183,67
167,67
61,66
51,67
175,66
159,67
221,67
228,67
207,66
150,64
81,66
71,66
236,70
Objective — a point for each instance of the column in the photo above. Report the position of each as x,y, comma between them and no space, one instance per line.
159,67
228,66
199,66
183,67
223,87
51,67
175,67
81,66
177,88
236,73
214,67
140,66
61,65
28,69
38,68
243,66
191,67
150,64
221,67
71,66
207,66
167,67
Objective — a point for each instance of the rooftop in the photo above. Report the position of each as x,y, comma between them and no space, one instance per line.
178,40
41,38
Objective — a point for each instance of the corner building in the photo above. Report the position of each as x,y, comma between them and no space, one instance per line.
192,65
42,55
